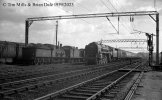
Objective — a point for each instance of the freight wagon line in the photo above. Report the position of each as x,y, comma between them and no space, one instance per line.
88,89
30,87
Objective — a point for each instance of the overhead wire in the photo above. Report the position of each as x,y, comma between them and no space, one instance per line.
132,26
107,17
155,5
112,5
117,11
90,11
83,8
132,22
117,3
105,5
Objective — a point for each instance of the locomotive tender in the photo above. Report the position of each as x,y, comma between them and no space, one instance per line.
97,53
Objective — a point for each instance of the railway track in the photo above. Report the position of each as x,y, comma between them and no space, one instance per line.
133,88
92,89
16,87
10,76
22,74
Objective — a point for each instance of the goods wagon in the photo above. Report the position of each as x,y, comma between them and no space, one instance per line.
82,52
72,54
10,52
18,58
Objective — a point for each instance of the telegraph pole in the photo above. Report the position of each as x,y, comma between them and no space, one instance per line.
27,25
157,39
26,32
56,31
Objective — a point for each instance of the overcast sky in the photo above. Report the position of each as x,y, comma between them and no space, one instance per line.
77,32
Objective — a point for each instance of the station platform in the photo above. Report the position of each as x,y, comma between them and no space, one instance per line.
150,87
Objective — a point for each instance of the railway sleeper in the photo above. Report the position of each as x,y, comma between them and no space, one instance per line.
88,88
108,96
100,84
74,97
33,91
8,92
79,94
12,84
113,92
30,87
83,90
103,82
96,86
8,98
6,88
117,86
39,85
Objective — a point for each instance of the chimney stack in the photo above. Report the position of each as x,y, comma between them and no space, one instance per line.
60,45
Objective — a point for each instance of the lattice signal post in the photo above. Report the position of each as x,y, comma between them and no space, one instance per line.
29,21
150,47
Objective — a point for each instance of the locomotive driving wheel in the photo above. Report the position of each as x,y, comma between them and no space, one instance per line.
36,61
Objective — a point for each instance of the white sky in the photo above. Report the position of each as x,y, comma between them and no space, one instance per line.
78,32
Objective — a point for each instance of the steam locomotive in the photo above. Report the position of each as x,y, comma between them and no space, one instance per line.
97,53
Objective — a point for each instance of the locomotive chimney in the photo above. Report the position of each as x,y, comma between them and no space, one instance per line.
60,45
